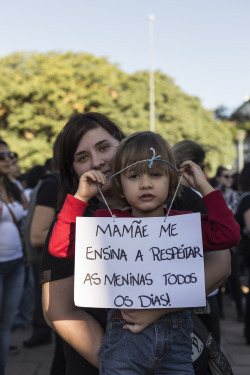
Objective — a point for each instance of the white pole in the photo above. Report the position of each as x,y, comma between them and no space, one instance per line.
240,136
240,154
151,18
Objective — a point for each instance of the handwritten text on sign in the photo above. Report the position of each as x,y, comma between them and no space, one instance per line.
139,262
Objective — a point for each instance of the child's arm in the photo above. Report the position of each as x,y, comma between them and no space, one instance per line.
219,228
195,177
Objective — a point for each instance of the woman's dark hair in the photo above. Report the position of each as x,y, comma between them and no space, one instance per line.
2,142
213,180
12,190
48,165
55,159
245,178
235,184
189,150
220,170
71,135
137,147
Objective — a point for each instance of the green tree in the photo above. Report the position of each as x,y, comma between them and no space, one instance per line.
40,92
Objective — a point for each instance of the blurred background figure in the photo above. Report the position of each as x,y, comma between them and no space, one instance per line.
32,178
243,218
190,150
224,180
48,165
236,183
15,171
43,204
12,205
22,317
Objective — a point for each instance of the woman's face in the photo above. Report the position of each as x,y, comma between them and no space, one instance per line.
15,170
4,160
95,151
225,179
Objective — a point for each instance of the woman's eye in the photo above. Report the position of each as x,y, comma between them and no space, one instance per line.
104,148
82,158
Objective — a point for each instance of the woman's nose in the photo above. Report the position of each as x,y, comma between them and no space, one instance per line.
97,161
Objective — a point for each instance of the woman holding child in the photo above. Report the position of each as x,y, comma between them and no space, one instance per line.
89,143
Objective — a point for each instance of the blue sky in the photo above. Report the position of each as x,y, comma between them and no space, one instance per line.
203,45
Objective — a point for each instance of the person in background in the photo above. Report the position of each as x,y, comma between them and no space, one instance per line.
12,203
224,181
190,150
32,178
243,217
15,171
88,142
22,317
48,165
44,213
236,183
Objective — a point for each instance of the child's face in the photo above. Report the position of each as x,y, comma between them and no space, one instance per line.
146,193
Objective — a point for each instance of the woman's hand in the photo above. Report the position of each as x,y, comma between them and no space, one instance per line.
87,187
195,177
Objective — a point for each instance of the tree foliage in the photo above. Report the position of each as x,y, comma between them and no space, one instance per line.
40,92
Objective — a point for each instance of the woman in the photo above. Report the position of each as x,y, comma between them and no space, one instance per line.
243,218
224,181
190,150
88,142
12,203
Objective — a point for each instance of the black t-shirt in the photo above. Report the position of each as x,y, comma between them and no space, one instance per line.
189,200
47,194
244,205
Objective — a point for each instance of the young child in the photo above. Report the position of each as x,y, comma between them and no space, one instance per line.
163,347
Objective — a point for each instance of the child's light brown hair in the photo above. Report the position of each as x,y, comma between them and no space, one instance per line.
136,147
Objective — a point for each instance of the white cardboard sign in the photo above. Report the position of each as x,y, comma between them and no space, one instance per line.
139,262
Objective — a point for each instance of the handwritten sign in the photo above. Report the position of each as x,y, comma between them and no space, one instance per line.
139,262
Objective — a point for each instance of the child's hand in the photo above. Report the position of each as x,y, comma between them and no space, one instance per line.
195,177
87,187
138,320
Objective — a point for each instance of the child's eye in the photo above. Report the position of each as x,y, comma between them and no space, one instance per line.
133,176
156,174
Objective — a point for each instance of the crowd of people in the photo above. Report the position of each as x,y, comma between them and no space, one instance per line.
37,278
